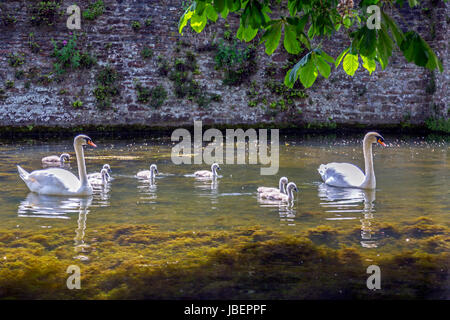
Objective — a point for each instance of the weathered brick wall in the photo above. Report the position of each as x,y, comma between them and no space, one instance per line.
401,92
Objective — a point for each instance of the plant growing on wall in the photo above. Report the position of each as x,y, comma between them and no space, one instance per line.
155,96
302,21
94,10
69,57
45,13
237,63
106,88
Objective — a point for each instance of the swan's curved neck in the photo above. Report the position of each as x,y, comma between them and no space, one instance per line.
369,181
81,165
290,194
281,186
214,171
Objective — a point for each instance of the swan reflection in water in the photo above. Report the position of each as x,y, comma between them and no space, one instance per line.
44,206
285,210
147,188
345,201
210,188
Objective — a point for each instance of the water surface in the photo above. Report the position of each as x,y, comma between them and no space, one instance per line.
412,184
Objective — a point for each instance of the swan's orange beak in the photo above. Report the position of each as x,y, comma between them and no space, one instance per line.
381,142
91,144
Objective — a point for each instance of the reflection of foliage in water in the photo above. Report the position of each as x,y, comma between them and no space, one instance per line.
139,261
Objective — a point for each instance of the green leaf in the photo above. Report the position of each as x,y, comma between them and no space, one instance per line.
291,43
233,5
308,74
395,30
350,64
414,50
339,58
219,5
413,3
293,7
368,42
225,13
246,34
211,14
287,79
323,67
326,57
272,37
293,74
184,19
384,46
198,23
369,64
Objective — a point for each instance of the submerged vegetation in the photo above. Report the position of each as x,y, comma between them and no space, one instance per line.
143,262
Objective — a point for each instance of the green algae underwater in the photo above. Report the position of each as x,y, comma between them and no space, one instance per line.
184,239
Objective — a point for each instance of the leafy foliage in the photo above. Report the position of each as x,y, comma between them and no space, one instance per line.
94,10
69,56
237,63
45,13
107,88
305,20
154,96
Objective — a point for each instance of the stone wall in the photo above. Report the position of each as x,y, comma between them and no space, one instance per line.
402,92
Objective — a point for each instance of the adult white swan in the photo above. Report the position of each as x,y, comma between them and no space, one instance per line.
348,175
57,181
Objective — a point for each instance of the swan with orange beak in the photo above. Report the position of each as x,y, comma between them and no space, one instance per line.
348,175
57,181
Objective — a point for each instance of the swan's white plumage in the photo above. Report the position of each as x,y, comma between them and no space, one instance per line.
56,181
341,174
348,175
206,174
100,181
281,189
52,181
278,196
148,174
98,175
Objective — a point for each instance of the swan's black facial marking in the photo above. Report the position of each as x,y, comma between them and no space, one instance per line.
89,142
380,140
